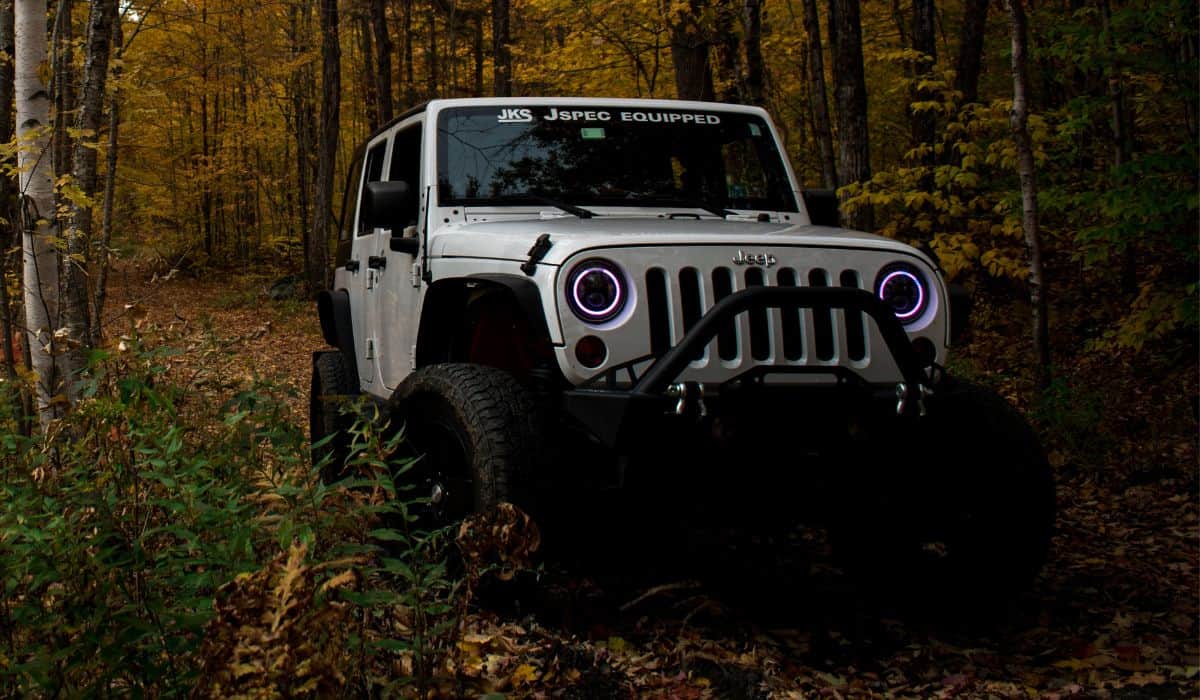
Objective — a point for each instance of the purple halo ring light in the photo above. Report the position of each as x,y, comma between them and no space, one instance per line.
902,288
596,291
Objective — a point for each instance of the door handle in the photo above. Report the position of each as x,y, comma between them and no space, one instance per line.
376,262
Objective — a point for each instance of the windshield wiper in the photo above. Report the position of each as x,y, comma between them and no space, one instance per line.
710,208
530,197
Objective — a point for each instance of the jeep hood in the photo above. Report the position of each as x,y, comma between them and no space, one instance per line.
511,239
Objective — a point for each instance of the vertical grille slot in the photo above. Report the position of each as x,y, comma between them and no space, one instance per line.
793,335
822,318
727,347
657,306
690,287
760,335
856,339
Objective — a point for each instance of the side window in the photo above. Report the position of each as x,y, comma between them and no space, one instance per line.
406,157
349,201
374,173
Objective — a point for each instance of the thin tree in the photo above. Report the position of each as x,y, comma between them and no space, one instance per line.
383,70
8,212
40,281
331,84
101,258
501,52
1029,207
752,42
689,52
850,92
818,101
922,122
83,170
970,49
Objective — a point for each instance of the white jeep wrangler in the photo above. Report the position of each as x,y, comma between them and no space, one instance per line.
554,290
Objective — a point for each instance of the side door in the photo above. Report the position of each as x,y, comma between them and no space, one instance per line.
365,258
394,319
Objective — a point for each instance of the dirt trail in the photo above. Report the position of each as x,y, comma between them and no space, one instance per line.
257,337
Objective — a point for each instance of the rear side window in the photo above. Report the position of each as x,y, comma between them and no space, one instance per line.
349,201
374,173
406,157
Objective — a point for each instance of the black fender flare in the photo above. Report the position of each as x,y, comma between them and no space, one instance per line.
333,310
446,297
528,298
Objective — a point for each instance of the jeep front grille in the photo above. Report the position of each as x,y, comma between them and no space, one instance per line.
677,299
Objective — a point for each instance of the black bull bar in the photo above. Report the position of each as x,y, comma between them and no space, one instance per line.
606,412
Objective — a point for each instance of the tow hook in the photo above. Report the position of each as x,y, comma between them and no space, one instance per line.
904,395
687,392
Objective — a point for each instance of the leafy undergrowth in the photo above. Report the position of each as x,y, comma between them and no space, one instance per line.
1114,613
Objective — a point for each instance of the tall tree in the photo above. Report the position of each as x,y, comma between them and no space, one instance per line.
40,288
970,49
689,52
755,92
8,212
924,43
331,87
383,67
1028,176
83,170
850,91
501,52
101,258
818,101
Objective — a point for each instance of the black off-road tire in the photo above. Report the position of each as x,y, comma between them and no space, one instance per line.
476,429
957,511
329,391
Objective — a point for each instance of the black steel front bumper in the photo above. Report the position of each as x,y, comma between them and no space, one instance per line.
611,415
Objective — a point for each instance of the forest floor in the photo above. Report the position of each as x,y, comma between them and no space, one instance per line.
1113,614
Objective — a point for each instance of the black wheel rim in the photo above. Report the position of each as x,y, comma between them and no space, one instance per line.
442,473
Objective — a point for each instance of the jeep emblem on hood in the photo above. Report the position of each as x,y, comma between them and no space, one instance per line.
764,259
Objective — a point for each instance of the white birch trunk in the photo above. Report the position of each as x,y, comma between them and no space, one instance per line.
37,189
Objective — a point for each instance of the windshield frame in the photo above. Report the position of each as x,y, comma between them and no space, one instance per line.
779,191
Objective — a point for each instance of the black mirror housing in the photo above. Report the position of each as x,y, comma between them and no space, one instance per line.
822,207
401,244
388,205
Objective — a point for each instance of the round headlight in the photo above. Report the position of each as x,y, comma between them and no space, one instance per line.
903,288
596,291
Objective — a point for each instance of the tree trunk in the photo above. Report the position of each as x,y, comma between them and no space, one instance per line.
410,85
431,80
368,68
924,41
689,53
40,288
62,85
83,170
818,100
970,49
331,89
752,41
850,91
110,189
8,212
501,53
383,60
1122,134
1029,206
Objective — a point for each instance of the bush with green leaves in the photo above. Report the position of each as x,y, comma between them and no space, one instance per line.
136,527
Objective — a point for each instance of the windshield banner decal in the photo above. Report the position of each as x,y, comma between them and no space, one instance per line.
554,114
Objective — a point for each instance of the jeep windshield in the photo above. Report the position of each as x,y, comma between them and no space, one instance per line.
622,156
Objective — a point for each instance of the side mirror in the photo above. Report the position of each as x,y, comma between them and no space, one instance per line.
388,205
822,206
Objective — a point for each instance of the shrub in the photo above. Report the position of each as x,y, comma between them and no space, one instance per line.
142,539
